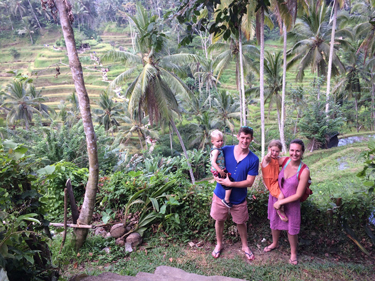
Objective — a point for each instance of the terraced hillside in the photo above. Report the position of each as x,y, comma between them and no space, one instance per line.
40,61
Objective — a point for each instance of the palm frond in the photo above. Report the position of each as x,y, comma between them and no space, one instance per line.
122,56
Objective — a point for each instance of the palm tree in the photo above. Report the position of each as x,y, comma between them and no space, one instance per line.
335,6
108,111
349,85
261,8
18,8
153,90
28,29
229,52
23,101
312,48
274,82
365,30
78,10
6,6
32,11
141,128
204,124
286,14
206,77
87,209
227,111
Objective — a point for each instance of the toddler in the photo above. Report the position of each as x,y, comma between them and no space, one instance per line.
218,163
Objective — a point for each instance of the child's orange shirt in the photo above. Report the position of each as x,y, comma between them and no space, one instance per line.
270,177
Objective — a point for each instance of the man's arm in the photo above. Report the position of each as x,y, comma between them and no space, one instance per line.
239,184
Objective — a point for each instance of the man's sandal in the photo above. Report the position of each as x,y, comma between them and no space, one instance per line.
293,262
216,254
250,256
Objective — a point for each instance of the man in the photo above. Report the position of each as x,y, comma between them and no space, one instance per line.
243,166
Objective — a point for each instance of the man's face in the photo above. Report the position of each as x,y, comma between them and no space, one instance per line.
244,140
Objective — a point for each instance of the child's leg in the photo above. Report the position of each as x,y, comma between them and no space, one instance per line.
280,197
227,194
225,201
280,211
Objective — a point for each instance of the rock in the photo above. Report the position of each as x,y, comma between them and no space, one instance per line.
107,250
78,277
100,231
134,239
128,247
120,242
117,230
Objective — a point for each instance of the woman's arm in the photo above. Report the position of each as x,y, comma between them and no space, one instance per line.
281,160
239,184
300,190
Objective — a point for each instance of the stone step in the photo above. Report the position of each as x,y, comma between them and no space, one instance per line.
162,273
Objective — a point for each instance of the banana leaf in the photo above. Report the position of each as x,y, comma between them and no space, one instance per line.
350,233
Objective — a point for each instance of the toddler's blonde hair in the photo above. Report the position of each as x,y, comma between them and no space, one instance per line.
216,133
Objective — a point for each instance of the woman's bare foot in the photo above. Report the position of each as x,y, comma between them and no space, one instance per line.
270,248
293,260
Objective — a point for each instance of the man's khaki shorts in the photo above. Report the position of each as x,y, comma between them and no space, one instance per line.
219,211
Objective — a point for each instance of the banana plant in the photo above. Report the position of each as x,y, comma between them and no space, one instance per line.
149,199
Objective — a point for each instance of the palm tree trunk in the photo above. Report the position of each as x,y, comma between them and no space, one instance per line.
242,92
209,94
356,113
282,138
373,99
335,7
171,139
239,91
184,149
261,84
88,205
140,139
32,10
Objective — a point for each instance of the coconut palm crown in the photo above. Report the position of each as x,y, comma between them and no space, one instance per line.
153,91
312,36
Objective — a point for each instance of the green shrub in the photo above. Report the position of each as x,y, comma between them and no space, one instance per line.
53,181
14,53
24,252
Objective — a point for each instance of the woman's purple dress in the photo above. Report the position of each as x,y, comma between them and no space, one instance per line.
292,210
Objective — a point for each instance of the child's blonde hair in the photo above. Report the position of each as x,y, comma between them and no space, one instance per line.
276,143
216,133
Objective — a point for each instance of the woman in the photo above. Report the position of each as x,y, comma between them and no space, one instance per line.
293,191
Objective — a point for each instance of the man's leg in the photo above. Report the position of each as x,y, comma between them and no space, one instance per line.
245,247
293,241
219,227
219,213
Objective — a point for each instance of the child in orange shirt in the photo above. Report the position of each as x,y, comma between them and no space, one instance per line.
270,171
